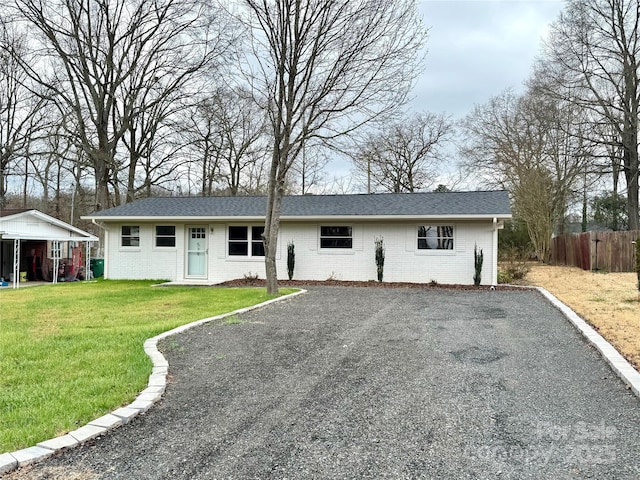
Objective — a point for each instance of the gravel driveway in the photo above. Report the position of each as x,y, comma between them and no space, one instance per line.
377,383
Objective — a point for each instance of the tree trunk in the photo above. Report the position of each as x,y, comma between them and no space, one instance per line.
102,185
272,223
25,183
631,173
3,180
133,163
630,137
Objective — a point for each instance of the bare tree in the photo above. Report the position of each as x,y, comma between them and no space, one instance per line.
112,61
204,145
241,127
593,56
20,109
309,169
520,143
153,154
226,134
323,68
404,156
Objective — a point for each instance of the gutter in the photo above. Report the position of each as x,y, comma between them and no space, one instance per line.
298,218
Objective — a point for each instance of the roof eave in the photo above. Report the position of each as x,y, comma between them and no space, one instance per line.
17,236
294,218
53,221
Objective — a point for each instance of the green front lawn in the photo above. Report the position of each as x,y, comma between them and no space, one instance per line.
70,353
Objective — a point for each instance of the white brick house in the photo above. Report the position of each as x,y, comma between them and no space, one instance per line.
206,240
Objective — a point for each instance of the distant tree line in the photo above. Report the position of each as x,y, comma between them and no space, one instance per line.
572,137
124,99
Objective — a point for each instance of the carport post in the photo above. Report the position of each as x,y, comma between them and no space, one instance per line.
87,260
16,262
55,247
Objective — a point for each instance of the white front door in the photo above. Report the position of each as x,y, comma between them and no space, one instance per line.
197,252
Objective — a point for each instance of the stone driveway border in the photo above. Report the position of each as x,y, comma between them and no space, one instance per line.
618,363
30,455
144,401
59,443
7,463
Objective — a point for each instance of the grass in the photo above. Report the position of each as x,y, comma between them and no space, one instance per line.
70,353
609,302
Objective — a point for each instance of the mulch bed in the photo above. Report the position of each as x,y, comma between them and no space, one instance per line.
251,282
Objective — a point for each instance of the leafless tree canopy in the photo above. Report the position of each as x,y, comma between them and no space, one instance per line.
323,68
593,60
109,63
521,143
225,134
405,155
21,116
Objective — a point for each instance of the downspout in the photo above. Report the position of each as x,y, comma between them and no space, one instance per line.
494,254
16,263
88,260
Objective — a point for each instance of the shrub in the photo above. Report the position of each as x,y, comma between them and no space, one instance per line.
504,277
478,259
514,266
380,257
514,235
250,277
291,259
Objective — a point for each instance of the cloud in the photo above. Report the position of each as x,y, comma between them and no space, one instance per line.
477,48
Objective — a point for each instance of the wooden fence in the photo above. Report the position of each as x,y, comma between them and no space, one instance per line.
615,251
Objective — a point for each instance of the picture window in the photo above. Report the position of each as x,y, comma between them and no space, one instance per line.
435,237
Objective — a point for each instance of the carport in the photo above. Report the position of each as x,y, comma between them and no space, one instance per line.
42,247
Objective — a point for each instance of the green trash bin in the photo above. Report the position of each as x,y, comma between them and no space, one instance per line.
97,267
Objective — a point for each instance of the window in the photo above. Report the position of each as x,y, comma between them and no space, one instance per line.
336,237
165,236
435,237
130,236
241,245
257,245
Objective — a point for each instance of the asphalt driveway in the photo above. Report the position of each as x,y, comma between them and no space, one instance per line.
378,383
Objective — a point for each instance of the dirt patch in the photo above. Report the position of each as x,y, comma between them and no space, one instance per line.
51,473
609,302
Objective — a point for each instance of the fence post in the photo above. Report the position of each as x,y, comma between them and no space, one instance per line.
596,241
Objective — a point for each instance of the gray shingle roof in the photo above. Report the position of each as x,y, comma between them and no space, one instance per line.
492,203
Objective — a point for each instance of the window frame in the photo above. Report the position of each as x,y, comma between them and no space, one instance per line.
328,236
251,241
157,236
438,238
130,236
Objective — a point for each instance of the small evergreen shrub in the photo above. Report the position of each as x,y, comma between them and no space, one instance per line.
291,259
380,257
478,259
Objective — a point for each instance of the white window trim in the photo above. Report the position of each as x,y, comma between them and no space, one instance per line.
155,236
130,248
242,258
336,251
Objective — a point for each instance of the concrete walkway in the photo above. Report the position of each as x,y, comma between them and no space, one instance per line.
377,383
